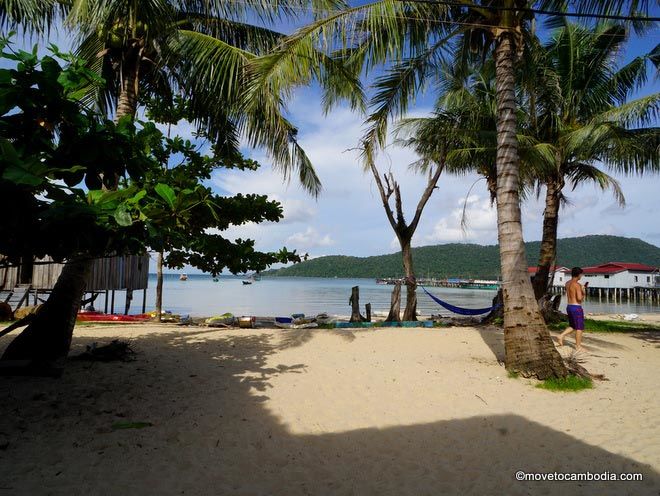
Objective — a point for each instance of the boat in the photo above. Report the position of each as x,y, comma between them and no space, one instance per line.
183,277
247,282
110,317
215,279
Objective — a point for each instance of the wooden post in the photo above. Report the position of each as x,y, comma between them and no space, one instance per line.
144,300
354,301
112,302
129,299
106,301
395,305
368,310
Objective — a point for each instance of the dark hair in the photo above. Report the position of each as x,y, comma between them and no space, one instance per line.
576,271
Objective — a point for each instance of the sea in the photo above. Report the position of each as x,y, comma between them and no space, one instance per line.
201,296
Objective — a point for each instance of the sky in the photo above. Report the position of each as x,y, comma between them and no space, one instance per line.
348,217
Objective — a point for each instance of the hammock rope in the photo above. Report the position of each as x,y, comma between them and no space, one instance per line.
459,310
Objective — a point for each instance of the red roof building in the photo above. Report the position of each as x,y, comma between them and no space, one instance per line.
616,267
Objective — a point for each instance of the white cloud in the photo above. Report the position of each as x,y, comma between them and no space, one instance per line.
310,238
481,223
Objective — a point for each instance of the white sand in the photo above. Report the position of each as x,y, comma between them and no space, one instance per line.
362,412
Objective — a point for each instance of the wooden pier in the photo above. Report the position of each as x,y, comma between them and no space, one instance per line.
633,295
446,283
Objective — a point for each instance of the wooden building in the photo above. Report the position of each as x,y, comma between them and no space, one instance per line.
619,281
558,274
30,282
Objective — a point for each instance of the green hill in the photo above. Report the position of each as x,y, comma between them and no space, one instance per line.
477,261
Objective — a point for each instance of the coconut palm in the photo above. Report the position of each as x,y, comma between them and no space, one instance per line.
582,113
411,37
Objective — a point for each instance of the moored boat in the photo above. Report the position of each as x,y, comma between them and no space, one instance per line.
110,317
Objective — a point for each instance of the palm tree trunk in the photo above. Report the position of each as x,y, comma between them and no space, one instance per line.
48,337
159,286
548,251
410,313
127,102
529,350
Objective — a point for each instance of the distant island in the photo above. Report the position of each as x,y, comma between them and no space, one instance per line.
475,261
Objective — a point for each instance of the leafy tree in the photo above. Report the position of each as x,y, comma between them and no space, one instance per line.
57,155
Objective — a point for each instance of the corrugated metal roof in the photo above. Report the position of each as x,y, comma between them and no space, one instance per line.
616,267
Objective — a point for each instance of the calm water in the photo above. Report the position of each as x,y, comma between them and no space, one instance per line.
282,296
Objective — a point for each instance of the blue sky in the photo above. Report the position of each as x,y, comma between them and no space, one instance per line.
348,217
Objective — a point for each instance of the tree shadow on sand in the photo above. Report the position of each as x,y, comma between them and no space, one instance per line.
218,436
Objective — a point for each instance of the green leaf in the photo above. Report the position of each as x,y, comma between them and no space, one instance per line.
166,193
123,216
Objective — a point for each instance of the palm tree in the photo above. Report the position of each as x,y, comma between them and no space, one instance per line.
201,49
584,117
412,37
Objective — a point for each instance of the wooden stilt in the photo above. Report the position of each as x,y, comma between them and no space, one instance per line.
144,300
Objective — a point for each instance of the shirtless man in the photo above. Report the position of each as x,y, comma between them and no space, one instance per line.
575,294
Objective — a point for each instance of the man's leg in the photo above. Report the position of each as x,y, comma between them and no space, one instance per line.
578,340
566,332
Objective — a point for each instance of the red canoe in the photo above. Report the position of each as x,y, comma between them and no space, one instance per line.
109,317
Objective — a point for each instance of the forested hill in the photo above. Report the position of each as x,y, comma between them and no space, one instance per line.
469,260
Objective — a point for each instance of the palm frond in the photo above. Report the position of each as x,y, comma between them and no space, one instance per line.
580,172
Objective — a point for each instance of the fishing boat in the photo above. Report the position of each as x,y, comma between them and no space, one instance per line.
247,282
183,277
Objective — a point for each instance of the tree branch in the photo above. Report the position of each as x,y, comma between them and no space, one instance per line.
384,195
430,186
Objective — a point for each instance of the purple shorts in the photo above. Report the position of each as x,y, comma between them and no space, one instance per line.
575,317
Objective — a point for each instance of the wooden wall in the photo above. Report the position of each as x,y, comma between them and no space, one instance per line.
8,276
111,273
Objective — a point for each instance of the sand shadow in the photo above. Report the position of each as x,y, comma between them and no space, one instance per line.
493,337
227,441
652,337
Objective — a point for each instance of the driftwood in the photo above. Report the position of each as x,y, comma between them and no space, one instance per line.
19,323
497,313
114,351
549,306
573,364
395,306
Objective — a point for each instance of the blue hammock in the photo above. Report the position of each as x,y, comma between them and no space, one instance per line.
459,310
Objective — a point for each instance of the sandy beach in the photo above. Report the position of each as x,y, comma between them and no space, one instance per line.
345,412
